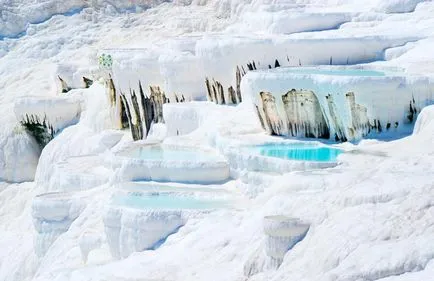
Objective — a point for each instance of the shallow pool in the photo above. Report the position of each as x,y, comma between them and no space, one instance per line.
162,201
156,152
336,72
298,151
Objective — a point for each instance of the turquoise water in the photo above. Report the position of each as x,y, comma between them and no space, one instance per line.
158,153
298,151
336,72
160,201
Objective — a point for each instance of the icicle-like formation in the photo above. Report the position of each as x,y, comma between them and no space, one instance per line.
178,99
87,82
412,111
261,118
216,92
209,91
41,130
147,108
133,127
359,118
158,98
335,120
138,121
232,95
304,115
64,85
112,91
273,121
121,119
238,77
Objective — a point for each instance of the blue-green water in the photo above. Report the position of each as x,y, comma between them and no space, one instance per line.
155,152
336,72
159,201
299,151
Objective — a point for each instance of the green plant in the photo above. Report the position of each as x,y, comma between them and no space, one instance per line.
105,61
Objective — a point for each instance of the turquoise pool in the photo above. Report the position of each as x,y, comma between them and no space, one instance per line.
164,201
336,72
298,151
156,152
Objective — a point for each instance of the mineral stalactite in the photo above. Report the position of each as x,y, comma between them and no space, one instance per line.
232,95
87,82
273,121
64,85
238,77
335,120
304,115
359,117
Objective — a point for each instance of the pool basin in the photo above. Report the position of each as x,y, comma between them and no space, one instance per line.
171,164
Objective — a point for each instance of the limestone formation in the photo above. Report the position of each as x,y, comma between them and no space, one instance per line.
133,127
261,118
359,117
87,82
273,121
238,77
158,98
304,115
232,95
335,120
138,119
148,111
41,130
412,111
216,92
64,85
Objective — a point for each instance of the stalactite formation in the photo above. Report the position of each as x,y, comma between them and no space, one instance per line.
64,85
117,103
261,118
412,111
42,131
209,91
147,107
251,66
273,121
87,82
238,77
215,92
133,127
276,63
112,90
123,115
158,98
335,120
178,99
138,120
304,115
232,95
359,117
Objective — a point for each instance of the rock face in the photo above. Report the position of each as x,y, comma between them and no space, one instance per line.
138,112
335,121
304,115
340,103
272,119
360,126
